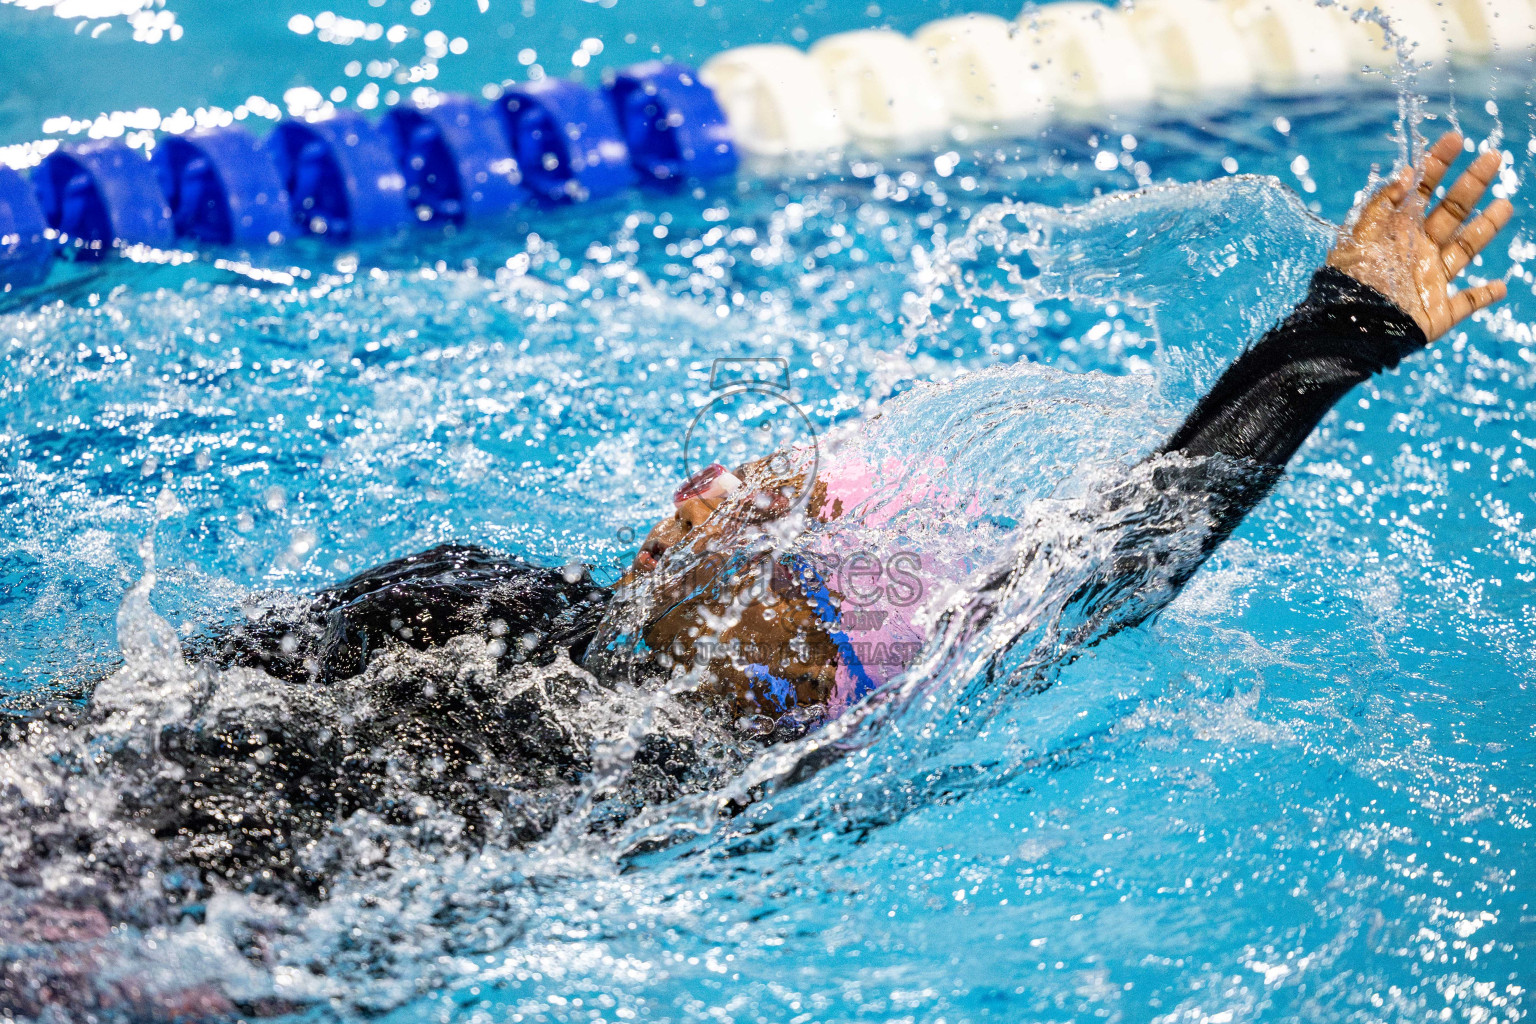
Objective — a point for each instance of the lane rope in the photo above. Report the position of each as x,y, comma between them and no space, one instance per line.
458,159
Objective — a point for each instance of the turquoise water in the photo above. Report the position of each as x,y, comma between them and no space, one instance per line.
1304,792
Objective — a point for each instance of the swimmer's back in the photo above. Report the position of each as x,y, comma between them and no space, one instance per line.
422,601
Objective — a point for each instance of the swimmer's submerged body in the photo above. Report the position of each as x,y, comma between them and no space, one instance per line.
783,655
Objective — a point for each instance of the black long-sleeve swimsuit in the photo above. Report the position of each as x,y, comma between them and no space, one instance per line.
261,783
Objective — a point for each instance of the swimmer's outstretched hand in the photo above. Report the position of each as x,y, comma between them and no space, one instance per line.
1411,253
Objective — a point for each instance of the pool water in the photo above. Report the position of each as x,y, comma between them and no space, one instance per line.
1302,792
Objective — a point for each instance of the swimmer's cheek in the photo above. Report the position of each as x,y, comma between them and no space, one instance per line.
730,690
782,634
785,638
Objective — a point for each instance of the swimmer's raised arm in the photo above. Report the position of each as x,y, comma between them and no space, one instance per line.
1384,294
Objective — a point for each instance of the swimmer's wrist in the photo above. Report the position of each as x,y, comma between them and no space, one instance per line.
1344,262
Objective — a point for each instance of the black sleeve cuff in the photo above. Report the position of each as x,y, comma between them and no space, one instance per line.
1344,317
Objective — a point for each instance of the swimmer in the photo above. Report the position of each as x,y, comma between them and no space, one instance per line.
349,721
1384,293
777,639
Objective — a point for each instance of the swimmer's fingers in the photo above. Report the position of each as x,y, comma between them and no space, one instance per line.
1469,300
1462,197
1437,161
1388,196
1472,239
1427,177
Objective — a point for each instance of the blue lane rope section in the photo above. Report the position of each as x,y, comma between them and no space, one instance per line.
456,158
672,124
222,188
566,139
341,177
102,193
25,251
452,160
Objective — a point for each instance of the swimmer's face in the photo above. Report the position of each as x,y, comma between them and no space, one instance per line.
696,502
691,513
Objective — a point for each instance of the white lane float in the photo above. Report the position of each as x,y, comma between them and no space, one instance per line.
986,70
1296,45
883,85
1093,56
1380,32
1492,27
1192,47
776,99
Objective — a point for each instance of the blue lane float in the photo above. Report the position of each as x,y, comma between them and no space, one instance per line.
672,123
100,194
25,251
222,188
457,162
451,160
340,175
566,141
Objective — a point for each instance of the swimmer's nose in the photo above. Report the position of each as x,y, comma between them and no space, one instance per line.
697,511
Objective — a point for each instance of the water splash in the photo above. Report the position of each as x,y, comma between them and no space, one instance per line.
1264,755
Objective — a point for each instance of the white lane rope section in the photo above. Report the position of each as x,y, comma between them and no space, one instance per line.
985,71
883,86
1075,59
776,98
